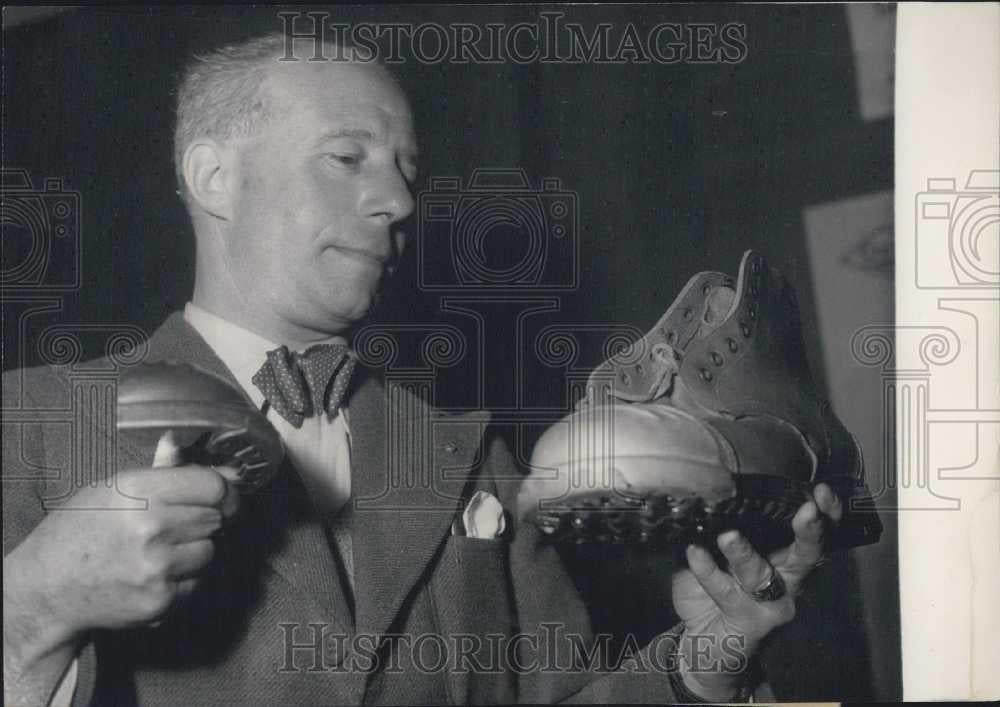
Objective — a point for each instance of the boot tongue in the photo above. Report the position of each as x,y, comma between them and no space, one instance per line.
718,303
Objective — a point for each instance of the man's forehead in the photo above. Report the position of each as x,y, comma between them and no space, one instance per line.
341,91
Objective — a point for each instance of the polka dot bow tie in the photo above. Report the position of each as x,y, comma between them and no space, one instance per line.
300,385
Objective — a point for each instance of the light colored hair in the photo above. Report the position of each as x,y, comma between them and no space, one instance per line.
222,96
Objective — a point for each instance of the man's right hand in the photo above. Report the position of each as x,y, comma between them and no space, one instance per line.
80,570
121,568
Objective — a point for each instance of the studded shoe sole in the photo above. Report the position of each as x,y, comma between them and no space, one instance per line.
762,509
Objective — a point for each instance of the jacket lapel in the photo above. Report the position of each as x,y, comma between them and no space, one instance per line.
410,471
177,340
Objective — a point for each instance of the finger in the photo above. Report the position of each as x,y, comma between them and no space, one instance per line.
183,589
719,585
750,569
186,524
189,559
807,547
168,452
189,485
231,501
229,473
829,502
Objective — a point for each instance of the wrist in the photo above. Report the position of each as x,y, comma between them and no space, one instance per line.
709,690
713,673
32,628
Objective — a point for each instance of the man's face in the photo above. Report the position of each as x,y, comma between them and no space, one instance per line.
321,189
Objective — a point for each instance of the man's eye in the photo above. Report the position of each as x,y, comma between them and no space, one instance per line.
344,159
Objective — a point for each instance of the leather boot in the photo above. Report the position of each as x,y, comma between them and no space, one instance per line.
711,421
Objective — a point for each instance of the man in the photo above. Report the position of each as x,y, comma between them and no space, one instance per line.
296,176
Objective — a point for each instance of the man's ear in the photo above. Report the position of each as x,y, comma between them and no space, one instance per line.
208,173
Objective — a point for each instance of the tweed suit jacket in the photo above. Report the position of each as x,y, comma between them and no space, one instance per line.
270,622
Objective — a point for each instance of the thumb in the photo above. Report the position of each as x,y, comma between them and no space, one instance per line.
168,453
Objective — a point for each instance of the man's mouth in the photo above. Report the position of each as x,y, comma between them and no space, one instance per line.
373,259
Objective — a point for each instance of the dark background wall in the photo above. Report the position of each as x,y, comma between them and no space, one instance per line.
673,168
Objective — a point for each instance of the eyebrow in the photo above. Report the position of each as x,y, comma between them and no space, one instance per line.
411,152
355,133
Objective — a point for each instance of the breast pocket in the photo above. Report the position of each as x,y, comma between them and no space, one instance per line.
472,598
464,547
472,589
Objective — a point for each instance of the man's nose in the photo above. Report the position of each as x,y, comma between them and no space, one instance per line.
388,197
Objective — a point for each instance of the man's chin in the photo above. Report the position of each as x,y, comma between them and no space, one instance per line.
340,320
346,304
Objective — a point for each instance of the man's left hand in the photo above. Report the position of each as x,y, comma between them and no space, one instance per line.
719,608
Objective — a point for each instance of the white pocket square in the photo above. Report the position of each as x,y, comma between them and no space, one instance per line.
483,517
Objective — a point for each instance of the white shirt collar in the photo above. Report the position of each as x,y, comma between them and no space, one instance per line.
243,351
